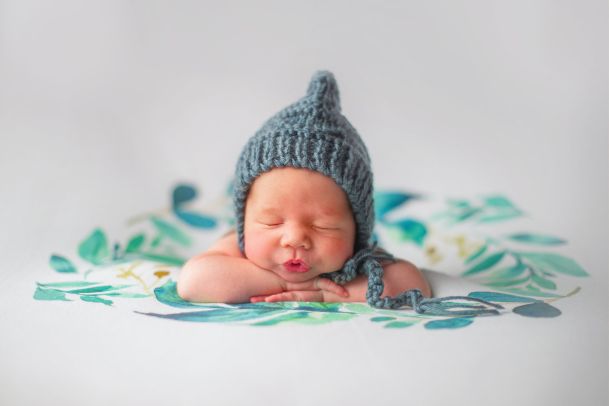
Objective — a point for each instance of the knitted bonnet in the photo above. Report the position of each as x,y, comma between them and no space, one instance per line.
313,134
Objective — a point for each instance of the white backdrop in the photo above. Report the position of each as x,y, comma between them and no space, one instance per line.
104,105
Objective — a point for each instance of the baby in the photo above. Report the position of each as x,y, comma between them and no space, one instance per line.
304,211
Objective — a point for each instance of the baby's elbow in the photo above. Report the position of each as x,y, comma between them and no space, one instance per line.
189,281
402,276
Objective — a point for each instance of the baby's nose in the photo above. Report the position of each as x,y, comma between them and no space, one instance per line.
296,237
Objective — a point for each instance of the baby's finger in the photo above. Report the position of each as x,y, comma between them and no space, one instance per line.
257,299
282,297
327,285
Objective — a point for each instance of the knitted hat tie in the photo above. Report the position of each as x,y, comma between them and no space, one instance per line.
368,262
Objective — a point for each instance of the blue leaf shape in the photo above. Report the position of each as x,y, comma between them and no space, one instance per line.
552,262
181,194
485,264
410,230
94,248
537,309
61,264
385,202
195,219
530,238
225,314
501,297
453,323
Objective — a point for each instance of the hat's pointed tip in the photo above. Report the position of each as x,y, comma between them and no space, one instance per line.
323,88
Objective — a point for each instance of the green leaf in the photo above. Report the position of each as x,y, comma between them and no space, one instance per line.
551,262
498,201
381,319
135,243
282,318
385,202
182,194
71,284
359,308
127,295
476,254
94,248
196,220
543,282
537,309
530,238
531,292
49,294
509,272
453,323
485,264
61,264
399,324
500,216
506,282
410,230
500,297
98,289
96,299
221,314
170,231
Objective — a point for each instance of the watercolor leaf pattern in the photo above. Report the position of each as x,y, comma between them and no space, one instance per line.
525,282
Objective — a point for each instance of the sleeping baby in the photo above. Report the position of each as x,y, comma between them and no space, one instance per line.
303,197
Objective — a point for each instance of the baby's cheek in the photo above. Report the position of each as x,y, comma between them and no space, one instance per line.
258,248
339,251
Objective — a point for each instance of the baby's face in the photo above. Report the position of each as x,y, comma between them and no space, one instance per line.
298,224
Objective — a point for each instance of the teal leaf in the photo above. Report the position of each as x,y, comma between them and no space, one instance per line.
385,202
135,243
543,282
196,220
485,264
410,230
467,213
49,294
71,284
168,295
551,262
381,319
476,254
182,194
504,283
500,216
540,239
98,289
537,309
96,299
531,292
94,248
282,318
127,295
509,272
501,297
61,264
221,314
399,324
453,323
498,201
170,231
359,308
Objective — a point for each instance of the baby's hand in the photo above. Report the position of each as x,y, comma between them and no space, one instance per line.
307,291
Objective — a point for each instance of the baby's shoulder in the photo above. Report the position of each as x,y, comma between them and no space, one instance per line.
226,245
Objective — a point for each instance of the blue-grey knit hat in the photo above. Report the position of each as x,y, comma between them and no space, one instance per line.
313,134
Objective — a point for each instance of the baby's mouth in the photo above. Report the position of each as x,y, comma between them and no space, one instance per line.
296,265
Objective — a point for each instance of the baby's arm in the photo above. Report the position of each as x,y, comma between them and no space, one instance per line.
398,277
223,275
